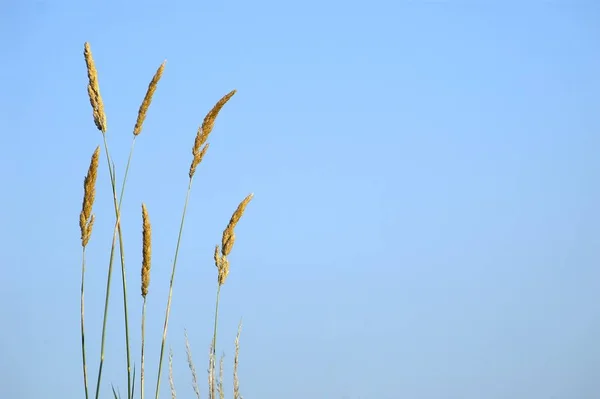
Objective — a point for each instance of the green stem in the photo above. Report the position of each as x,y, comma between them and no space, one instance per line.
142,357
85,379
214,340
110,265
123,275
168,311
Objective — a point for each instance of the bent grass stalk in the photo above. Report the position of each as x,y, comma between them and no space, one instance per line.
86,223
222,264
198,151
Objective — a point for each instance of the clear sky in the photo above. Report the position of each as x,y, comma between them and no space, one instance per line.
427,194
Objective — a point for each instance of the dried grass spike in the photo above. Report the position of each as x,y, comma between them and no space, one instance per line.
211,373
171,381
209,119
148,99
197,159
236,361
94,89
228,244
228,234
146,250
188,352
86,219
199,149
223,270
220,383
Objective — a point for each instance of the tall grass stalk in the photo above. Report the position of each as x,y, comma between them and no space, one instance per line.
222,264
198,151
100,121
146,266
86,222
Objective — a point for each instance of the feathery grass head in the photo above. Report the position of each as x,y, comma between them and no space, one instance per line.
220,382
199,149
146,250
211,372
86,219
188,352
221,261
148,99
228,233
94,89
171,381
236,361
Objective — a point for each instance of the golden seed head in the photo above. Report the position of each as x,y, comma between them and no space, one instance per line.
228,234
222,265
86,219
94,90
228,243
209,119
148,99
223,270
146,250
221,261
204,130
197,159
217,256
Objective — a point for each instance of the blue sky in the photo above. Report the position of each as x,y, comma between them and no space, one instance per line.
426,179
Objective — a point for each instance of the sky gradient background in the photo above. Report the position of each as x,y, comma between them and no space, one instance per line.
427,187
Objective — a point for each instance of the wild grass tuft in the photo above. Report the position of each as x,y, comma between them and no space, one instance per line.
86,222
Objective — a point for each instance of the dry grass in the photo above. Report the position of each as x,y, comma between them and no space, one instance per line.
86,222
94,90
86,219
148,99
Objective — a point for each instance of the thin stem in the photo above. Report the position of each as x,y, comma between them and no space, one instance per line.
214,340
143,340
123,275
85,380
168,311
110,265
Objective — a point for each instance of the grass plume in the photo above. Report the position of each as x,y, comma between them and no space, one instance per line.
86,224
146,265
236,362
199,149
148,99
94,90
171,380
86,219
220,383
222,264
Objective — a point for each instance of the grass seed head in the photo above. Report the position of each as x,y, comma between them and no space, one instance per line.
197,159
236,361
171,381
146,250
148,99
221,261
86,219
94,90
228,233
199,149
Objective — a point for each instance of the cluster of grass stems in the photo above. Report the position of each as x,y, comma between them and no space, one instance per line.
86,223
